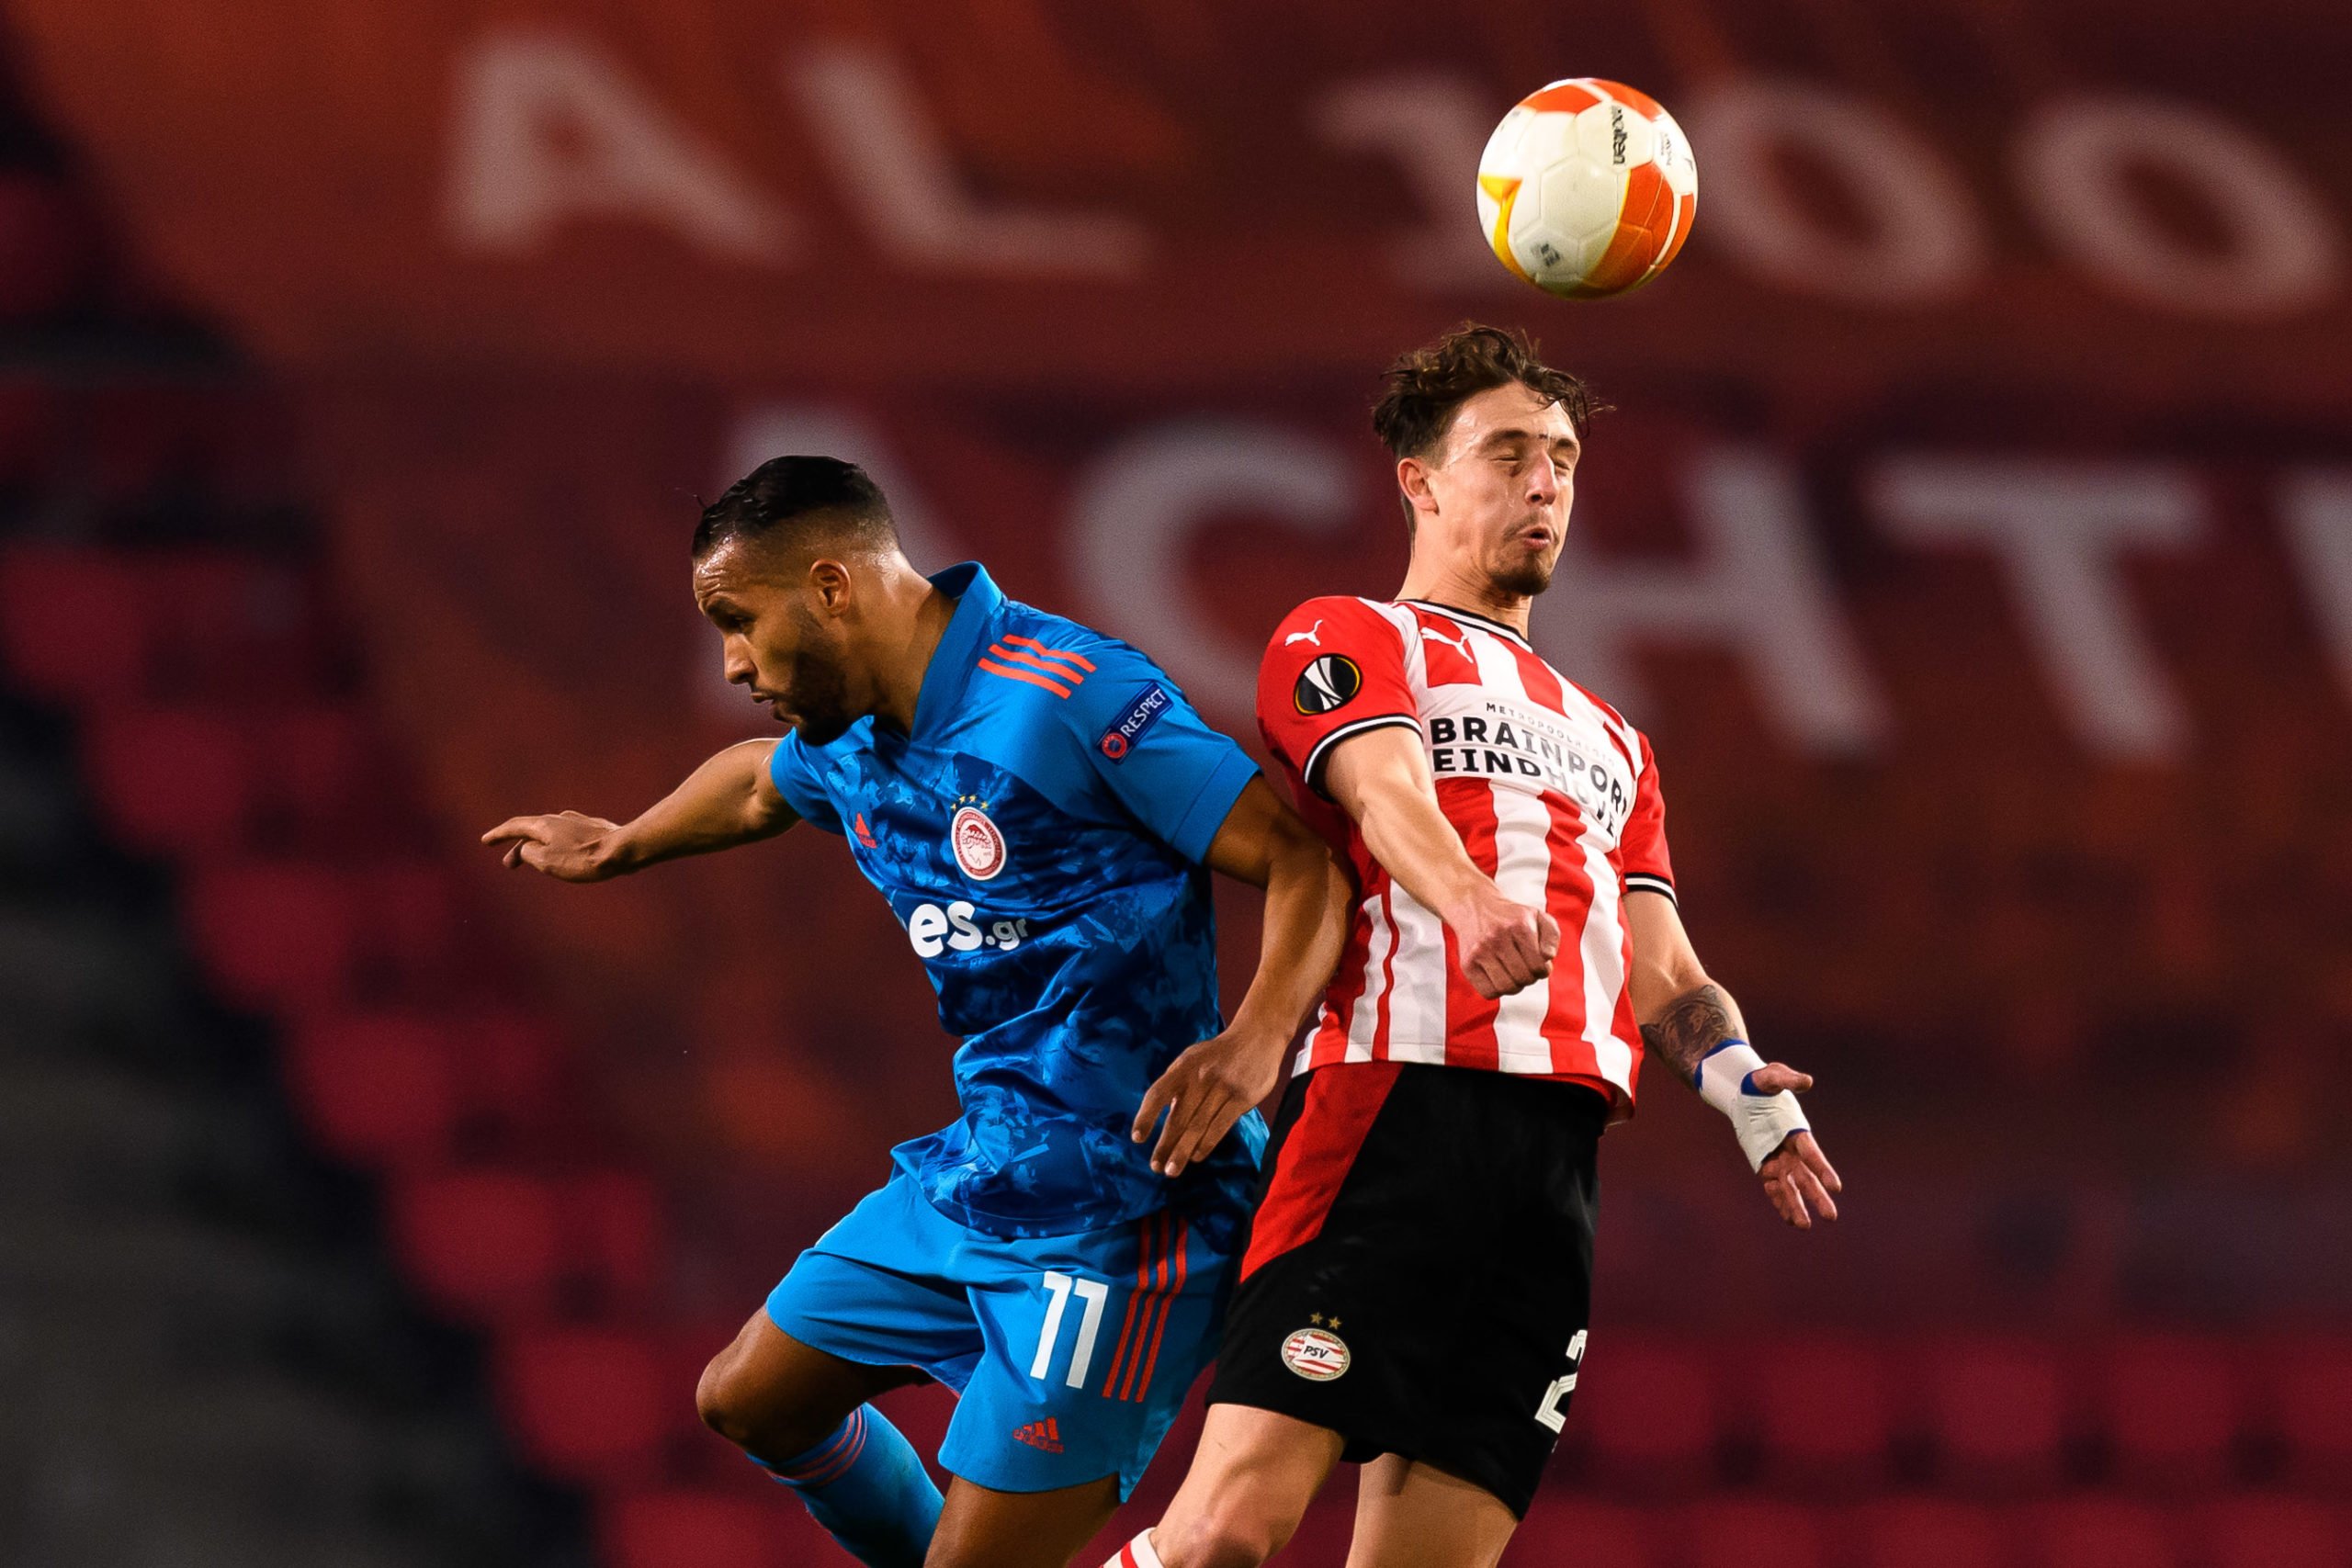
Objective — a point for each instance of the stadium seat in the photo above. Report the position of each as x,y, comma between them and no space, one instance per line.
411,917
1745,1534
375,1090
612,1237
2258,1531
145,435
706,1529
234,625
1646,1412
32,417
511,1063
2103,1532
1562,1532
1821,1411
324,775
2310,1394
589,1406
74,623
1998,1412
2173,1406
274,934
168,781
46,246
482,1245
1917,1532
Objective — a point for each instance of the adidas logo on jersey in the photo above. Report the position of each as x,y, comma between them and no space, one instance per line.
1045,1435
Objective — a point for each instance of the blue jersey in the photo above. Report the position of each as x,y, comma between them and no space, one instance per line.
1040,836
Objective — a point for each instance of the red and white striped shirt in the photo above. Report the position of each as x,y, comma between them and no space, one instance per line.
1556,797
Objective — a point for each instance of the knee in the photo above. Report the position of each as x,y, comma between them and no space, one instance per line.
761,1420
1241,1533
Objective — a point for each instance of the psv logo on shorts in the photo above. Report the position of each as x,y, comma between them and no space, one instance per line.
978,842
1329,683
1315,1354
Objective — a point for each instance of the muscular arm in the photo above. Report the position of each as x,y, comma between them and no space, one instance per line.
1262,843
1684,1016
729,800
1682,1013
1207,1088
1380,778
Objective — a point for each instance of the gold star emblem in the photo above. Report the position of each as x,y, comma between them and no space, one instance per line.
1316,1318
1334,1322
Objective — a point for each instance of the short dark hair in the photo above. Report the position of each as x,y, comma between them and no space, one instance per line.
1428,386
799,500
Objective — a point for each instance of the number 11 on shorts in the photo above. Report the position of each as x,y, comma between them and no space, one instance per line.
1094,1293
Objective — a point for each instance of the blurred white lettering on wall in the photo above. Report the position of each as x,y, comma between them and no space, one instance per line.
1921,239
1433,127
1136,508
2317,509
893,167
2075,162
1759,591
2058,528
549,129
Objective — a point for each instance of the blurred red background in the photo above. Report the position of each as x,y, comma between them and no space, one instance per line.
1974,537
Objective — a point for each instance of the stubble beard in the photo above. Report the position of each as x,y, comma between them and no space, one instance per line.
818,692
1524,580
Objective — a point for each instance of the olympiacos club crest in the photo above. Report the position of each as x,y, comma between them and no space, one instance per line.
978,842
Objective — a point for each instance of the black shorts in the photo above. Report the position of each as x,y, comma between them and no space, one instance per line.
1419,1270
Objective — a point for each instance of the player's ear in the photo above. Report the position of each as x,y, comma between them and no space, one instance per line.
1413,479
830,585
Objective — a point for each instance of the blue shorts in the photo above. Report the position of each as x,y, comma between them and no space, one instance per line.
1070,1354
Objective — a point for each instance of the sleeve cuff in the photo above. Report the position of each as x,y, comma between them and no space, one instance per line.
1650,881
1212,806
1311,767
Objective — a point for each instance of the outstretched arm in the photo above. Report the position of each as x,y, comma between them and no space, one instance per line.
1382,778
1207,1090
729,800
1685,1019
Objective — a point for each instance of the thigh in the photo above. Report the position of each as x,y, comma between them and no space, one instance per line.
778,1397
1251,1479
1411,1516
1424,1296
982,1527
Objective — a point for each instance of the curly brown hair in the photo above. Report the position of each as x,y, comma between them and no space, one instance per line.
1428,386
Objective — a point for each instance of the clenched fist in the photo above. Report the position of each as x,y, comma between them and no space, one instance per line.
1505,946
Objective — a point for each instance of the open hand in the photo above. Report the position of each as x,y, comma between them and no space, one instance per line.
1797,1173
1203,1092
568,846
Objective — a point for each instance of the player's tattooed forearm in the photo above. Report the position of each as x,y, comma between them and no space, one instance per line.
1693,1024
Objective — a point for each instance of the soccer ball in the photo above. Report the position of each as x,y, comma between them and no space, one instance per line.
1586,188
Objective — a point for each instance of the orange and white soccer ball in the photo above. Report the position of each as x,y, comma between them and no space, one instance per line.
1586,188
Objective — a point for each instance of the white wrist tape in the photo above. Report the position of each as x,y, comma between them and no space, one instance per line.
1761,1121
